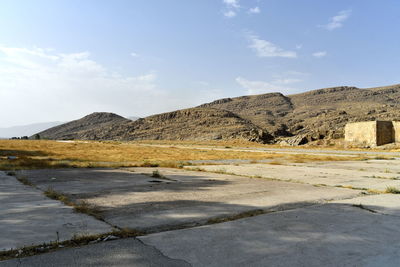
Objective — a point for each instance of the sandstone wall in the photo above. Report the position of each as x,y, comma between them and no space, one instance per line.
363,133
396,130
373,133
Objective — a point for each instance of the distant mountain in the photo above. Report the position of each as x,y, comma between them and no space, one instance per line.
78,129
272,117
26,130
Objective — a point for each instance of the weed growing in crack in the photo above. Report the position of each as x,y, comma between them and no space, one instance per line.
392,190
75,241
51,193
82,206
85,207
157,174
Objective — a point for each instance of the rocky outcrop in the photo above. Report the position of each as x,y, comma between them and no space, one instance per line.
315,115
294,119
190,124
98,122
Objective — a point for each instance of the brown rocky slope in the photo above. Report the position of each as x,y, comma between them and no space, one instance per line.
316,114
272,117
78,129
187,124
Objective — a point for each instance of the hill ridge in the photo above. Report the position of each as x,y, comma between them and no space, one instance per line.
271,117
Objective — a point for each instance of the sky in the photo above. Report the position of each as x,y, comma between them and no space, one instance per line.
61,60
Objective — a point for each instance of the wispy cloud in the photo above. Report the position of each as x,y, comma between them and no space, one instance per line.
232,3
133,54
265,48
287,81
338,20
320,54
254,10
230,14
232,6
260,87
38,80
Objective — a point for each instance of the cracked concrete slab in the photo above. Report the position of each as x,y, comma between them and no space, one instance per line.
27,217
358,176
389,167
324,235
79,181
131,199
384,203
121,253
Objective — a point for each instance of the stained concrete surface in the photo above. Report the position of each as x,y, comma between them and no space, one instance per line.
308,225
357,174
78,181
27,217
121,253
130,199
388,204
389,168
324,235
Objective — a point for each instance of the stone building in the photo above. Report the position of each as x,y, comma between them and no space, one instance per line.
373,133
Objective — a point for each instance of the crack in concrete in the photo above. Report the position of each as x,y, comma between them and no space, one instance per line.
365,207
161,253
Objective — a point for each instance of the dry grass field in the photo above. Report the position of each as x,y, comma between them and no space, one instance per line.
37,154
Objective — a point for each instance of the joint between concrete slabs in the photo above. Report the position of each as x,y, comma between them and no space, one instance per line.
161,253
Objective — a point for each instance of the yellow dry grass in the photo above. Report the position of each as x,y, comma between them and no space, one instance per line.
339,144
53,154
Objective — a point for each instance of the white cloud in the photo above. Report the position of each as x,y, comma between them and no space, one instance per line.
287,81
254,10
232,6
230,14
40,85
262,87
299,46
320,54
133,54
295,73
232,3
337,21
265,48
16,51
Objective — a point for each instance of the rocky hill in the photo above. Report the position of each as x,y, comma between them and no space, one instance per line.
273,117
316,114
186,124
98,122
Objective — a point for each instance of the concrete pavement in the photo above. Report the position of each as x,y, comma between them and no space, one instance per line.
121,253
373,174
323,235
305,225
27,217
129,198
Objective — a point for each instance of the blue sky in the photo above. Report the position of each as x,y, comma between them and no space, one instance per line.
60,60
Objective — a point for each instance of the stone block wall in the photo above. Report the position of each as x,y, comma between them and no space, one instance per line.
396,130
373,133
362,133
